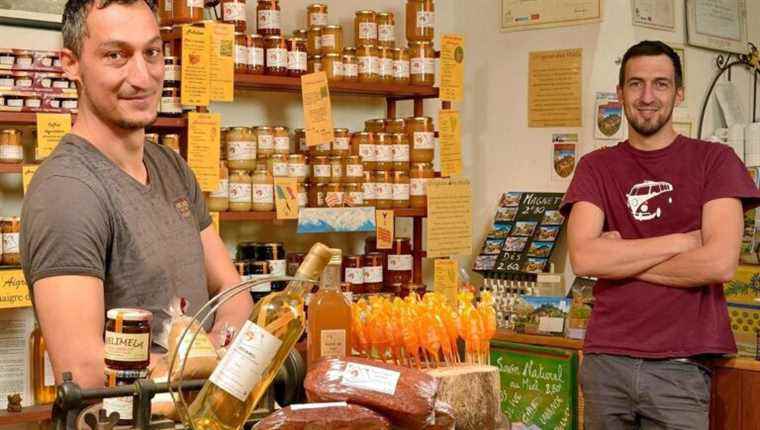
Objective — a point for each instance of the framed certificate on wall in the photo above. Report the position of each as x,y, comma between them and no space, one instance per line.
32,13
517,15
720,25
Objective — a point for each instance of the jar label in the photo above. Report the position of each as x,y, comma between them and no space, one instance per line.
401,153
282,144
266,142
417,66
337,170
367,152
49,378
350,70
26,61
268,19
297,170
23,82
11,152
6,82
383,153
354,170
302,146
400,192
375,65
418,187
126,347
121,405
240,192
322,170
256,57
242,55
386,67
303,199
367,30
355,199
320,199
429,66
323,147
71,104
247,358
342,144
298,60
233,12
172,72
401,69
170,105
373,274
399,263
337,69
277,58
7,60
278,267
317,19
222,190
383,191
279,169
355,276
10,243
334,199
424,140
263,193
173,75
194,3
366,65
168,6
386,33
328,41
33,102
332,343
15,102
244,150
370,191
264,287
425,19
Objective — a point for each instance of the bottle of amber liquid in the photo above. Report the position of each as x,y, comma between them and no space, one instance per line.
329,319
43,379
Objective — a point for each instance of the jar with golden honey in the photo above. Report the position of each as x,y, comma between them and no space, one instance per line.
376,125
400,189
421,138
383,189
321,195
354,169
400,262
10,229
337,168
165,13
256,57
264,141
11,147
298,59
321,150
374,264
263,191
395,125
233,12
333,66
276,56
385,61
316,15
365,28
299,137
171,141
370,188
219,200
332,39
401,151
187,11
354,194
301,33
277,165
314,40
420,20
322,170
401,66
242,53
268,18
281,140
353,273
335,197
386,29
364,141
241,191
314,63
422,63
297,167
303,195
419,175
350,67
341,146
368,60
383,151
241,149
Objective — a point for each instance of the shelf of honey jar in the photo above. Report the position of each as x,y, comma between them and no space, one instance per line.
30,118
272,216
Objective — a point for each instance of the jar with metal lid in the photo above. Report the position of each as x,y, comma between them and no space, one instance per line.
241,148
332,65
342,144
298,59
400,262
354,170
241,191
11,229
264,141
301,33
268,18
187,11
376,125
276,56
256,56
170,102
364,142
420,174
277,164
401,66
370,188
299,140
165,13
297,167
11,146
400,189
263,191
337,167
320,195
242,52
321,150
332,39
353,273
322,170
354,194
368,63
127,339
422,139
386,30
314,40
420,20
246,251
122,405
383,151
385,62
316,15
350,67
171,141
258,270
383,189
365,28
335,197
303,195
422,63
374,264
401,150
281,140
294,262
314,63
233,12
172,72
219,200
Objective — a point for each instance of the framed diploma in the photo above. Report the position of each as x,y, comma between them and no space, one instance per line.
720,25
517,15
658,14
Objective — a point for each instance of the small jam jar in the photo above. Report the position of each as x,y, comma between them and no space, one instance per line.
421,138
256,57
342,144
370,188
321,150
11,229
277,165
401,151
385,62
127,339
401,67
219,200
316,14
420,20
400,262
332,65
386,30
419,176
263,191
400,189
337,167
353,273
322,170
172,73
268,18
314,40
242,53
241,148
367,57
374,263
264,141
383,151
395,125
233,12
281,140
303,195
11,147
335,197
298,59
422,63
171,104
276,56
299,136
354,170
350,67
383,189
297,167
375,125
354,194
364,143
241,191
187,11
365,28
314,63
332,39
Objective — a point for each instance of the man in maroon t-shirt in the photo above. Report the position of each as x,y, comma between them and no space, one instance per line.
658,219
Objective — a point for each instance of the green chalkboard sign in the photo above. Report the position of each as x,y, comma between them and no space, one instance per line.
539,390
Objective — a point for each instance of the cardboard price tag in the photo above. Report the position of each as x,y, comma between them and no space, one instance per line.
286,198
51,127
451,143
452,67
196,53
385,221
203,148
14,292
222,61
317,109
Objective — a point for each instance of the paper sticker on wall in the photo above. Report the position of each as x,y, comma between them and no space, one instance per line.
564,156
608,117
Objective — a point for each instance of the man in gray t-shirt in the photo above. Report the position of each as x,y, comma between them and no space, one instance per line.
110,220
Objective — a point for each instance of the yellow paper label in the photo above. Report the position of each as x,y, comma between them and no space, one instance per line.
452,67
446,279
196,50
127,346
27,172
317,109
332,343
385,221
222,61
449,224
451,143
554,88
286,198
215,221
51,127
203,147
13,290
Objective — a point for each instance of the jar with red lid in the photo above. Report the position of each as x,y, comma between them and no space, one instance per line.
353,273
233,12
383,189
256,58
187,11
268,18
276,56
383,151
242,53
127,339
400,262
374,264
367,58
365,28
298,63
370,188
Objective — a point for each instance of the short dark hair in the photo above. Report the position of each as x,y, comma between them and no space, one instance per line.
652,48
75,19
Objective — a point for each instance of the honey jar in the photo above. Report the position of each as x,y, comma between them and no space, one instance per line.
342,144
256,57
419,176
241,191
353,273
10,228
127,339
400,262
322,170
165,13
298,63
420,20
332,65
264,141
303,195
276,56
314,40
233,12
401,151
421,138
422,63
364,142
316,15
385,62
281,140
171,141
242,54
11,147
400,189
187,11
401,66
314,63
365,28
172,73
301,33
268,18
337,168
277,165
350,67
219,200
297,167
241,148
149,137
263,191
383,189
386,30
373,272
369,66
354,194
335,197
376,125
332,39
321,195
299,136
354,169
383,151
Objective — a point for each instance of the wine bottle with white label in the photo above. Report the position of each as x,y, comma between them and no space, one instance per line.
253,359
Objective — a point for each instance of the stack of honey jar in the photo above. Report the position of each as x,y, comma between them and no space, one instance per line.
381,271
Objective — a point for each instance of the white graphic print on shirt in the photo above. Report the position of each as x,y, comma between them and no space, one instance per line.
643,201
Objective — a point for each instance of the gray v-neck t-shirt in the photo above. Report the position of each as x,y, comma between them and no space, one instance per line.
83,215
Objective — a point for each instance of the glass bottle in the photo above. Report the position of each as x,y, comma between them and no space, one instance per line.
329,321
43,378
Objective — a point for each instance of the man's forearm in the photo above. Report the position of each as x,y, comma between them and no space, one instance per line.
695,268
234,313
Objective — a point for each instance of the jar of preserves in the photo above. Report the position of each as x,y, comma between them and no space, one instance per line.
172,72
7,57
165,13
375,125
314,63
256,56
401,151
321,150
395,125
233,12
373,272
297,167
353,273
364,143
354,194
241,191
383,189
337,167
281,140
264,141
11,229
298,59
422,63
299,137
314,40
341,146
127,339
316,14
350,67
420,20
368,63
385,62
276,56
171,141
400,262
241,149
11,146
303,195
321,195
335,197
332,65
386,30
354,170
370,188
383,151
170,48
400,189
277,164
322,170
365,28
187,11
419,176
332,39
263,191
170,102
401,66
422,139
122,405
268,18
219,200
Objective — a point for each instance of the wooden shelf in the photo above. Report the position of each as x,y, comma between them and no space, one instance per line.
31,414
246,81
270,216
10,168
14,267
550,341
30,118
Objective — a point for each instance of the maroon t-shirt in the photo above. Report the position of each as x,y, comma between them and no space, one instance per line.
648,194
